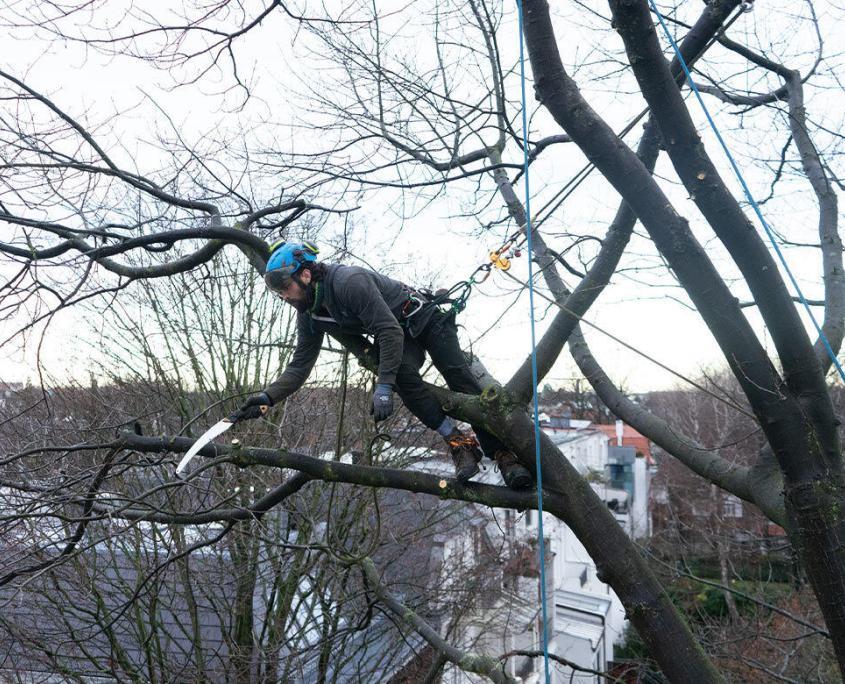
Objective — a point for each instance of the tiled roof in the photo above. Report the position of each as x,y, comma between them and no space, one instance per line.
630,437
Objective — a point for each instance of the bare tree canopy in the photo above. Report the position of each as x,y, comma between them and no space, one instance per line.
392,135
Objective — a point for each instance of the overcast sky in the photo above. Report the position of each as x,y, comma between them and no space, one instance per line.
435,245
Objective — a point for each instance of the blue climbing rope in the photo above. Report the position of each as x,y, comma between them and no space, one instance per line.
747,191
541,540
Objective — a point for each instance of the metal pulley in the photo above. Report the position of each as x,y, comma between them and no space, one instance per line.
500,261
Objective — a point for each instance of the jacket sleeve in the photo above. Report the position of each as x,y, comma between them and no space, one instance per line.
362,298
304,357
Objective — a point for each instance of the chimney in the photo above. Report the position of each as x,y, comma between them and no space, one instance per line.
619,433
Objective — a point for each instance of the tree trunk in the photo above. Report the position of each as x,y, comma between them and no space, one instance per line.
798,421
800,427
618,561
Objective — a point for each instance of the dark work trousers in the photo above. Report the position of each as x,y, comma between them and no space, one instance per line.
440,339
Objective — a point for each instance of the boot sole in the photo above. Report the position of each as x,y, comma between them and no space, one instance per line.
519,480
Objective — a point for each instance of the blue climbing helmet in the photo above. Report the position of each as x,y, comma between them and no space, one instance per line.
286,258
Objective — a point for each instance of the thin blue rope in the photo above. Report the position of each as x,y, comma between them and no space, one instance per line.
747,192
538,465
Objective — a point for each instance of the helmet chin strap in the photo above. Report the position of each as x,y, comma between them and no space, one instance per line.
314,296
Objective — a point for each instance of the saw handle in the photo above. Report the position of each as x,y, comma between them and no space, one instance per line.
238,416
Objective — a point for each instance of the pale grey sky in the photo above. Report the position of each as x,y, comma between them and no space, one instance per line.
647,313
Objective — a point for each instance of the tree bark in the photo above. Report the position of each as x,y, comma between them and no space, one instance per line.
800,424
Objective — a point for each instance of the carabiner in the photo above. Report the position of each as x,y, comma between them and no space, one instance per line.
486,269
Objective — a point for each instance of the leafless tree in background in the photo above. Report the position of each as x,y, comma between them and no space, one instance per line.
226,590
447,119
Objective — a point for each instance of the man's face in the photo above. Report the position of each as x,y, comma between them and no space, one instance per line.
294,293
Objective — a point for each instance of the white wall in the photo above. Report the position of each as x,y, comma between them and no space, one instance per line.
639,509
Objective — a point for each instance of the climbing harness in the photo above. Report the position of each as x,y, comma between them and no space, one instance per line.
413,305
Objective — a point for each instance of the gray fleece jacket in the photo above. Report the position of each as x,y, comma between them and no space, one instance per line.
356,301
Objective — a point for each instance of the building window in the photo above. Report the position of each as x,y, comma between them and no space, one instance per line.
732,506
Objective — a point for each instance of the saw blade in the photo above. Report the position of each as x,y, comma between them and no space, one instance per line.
213,432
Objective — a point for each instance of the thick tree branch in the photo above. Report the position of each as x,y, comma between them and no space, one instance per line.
617,560
731,477
710,194
576,304
328,471
671,235
833,273
798,418
167,238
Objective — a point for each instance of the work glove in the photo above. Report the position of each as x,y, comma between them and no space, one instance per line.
255,406
382,402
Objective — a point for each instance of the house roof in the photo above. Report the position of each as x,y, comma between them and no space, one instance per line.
630,437
567,435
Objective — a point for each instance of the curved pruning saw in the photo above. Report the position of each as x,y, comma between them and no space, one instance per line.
212,433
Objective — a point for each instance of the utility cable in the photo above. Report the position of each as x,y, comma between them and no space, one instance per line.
634,349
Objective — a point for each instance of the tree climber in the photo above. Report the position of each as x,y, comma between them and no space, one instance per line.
345,301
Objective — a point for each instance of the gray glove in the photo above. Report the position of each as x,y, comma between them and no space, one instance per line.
255,406
382,402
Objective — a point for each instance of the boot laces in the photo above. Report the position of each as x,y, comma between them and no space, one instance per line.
462,441
504,459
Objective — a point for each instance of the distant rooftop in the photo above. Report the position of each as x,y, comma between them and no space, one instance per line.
630,437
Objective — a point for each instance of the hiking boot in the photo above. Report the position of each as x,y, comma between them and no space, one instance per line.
515,475
466,453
